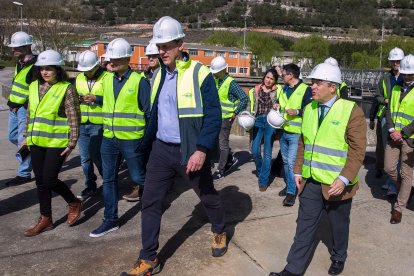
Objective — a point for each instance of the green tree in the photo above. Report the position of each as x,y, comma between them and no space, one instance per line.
364,61
313,47
223,38
263,46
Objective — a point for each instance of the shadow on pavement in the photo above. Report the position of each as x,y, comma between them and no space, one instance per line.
243,157
71,163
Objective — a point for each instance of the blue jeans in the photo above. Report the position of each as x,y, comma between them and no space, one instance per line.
17,124
262,131
110,149
89,141
288,148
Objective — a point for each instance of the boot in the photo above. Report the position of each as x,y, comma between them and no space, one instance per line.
44,224
75,209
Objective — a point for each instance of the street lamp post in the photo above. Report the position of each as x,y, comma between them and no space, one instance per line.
245,16
21,13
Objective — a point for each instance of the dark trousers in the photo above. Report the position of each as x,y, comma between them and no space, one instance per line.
311,206
163,165
380,147
224,143
46,163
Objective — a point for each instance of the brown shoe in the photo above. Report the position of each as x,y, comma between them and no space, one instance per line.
43,224
262,188
75,209
395,217
219,245
135,195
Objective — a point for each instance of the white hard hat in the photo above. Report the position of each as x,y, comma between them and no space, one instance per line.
331,61
218,64
49,57
407,65
166,29
151,49
326,72
246,120
20,39
275,119
87,61
396,54
118,48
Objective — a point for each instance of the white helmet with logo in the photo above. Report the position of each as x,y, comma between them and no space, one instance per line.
326,72
218,64
151,49
49,57
87,61
118,48
407,65
20,39
275,119
396,54
331,61
166,29
246,120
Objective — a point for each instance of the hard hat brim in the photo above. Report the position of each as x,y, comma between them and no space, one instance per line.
86,69
18,45
39,63
165,40
406,72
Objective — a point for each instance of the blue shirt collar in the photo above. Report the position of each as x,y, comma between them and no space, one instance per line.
329,103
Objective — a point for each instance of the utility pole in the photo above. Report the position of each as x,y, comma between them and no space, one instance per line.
20,5
382,39
245,16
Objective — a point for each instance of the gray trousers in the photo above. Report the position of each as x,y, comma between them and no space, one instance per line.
311,205
224,143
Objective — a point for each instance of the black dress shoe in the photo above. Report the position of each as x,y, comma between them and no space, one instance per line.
283,192
284,272
289,200
336,268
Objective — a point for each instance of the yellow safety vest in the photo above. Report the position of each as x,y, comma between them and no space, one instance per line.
252,97
91,113
20,87
46,128
338,91
227,107
402,113
294,122
326,149
122,118
381,107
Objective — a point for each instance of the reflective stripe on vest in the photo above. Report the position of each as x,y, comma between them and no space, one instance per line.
326,149
227,107
381,107
294,102
46,128
20,89
402,113
122,118
91,113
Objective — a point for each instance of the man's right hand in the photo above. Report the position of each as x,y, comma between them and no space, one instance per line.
13,109
298,181
371,125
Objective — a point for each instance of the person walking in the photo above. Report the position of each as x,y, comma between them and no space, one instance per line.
89,88
24,74
399,114
233,100
330,154
183,128
52,130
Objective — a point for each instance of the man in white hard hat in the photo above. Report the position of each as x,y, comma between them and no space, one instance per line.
89,86
125,108
330,153
399,114
24,74
184,126
233,100
382,96
343,91
151,51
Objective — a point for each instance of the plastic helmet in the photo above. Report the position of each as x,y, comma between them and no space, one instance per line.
20,39
218,64
166,29
326,72
396,54
275,119
331,61
407,65
87,61
151,49
49,57
118,48
246,120
105,58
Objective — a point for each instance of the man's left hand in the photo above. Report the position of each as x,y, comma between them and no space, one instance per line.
196,161
291,112
337,187
396,136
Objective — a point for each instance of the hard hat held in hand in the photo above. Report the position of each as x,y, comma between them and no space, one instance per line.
151,49
218,64
326,72
49,57
87,61
331,61
166,29
118,48
407,65
20,39
396,54
246,120
275,119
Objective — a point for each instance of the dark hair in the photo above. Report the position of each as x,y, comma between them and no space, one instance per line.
273,72
61,74
293,69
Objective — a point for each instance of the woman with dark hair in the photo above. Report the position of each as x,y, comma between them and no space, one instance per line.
262,99
52,130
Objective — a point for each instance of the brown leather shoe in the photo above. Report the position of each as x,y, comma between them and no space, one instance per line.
262,188
43,224
395,217
75,209
135,195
